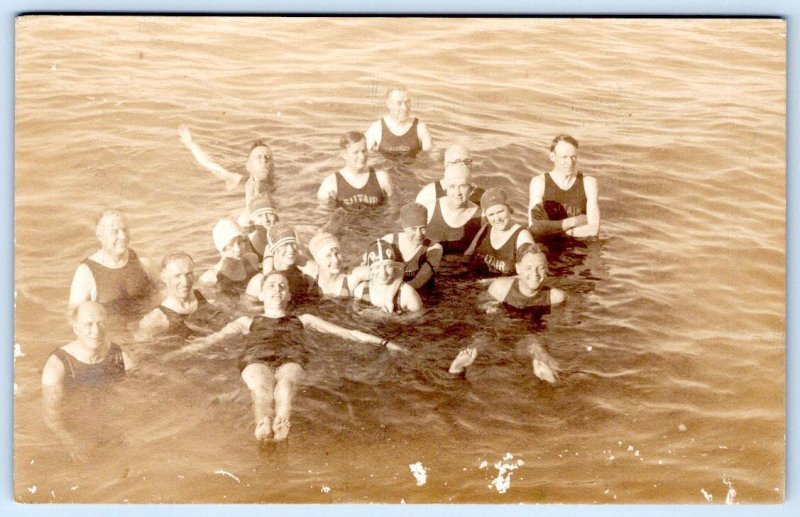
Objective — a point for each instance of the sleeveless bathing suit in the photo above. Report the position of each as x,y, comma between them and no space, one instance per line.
117,286
474,195
414,264
78,373
517,300
488,260
177,321
394,146
560,204
344,290
274,341
233,287
370,194
453,240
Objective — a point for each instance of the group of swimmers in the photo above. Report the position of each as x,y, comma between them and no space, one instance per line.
262,260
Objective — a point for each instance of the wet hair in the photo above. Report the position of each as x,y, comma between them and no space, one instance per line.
528,249
563,138
72,315
351,137
258,143
395,88
174,255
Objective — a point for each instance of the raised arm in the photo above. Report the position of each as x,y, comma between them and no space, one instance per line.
592,226
231,179
320,325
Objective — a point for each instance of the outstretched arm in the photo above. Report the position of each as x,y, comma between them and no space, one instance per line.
231,179
320,325
592,225
238,326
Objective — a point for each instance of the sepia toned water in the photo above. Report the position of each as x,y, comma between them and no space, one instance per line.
671,340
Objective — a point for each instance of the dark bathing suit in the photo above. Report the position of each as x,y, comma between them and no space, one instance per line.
78,373
560,204
394,146
414,264
177,321
488,260
344,290
517,300
274,341
474,195
230,286
370,194
115,287
453,240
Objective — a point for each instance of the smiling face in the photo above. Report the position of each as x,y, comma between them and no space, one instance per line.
178,276
112,232
259,163
355,156
330,259
90,325
383,272
416,234
399,105
275,291
532,270
499,216
285,255
564,157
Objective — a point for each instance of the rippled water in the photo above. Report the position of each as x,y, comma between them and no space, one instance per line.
675,317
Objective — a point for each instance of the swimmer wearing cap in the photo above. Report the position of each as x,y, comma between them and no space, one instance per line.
237,265
355,184
264,216
273,361
385,288
494,249
282,253
454,155
332,278
260,169
421,255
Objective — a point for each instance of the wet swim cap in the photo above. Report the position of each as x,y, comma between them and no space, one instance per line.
224,232
279,235
493,196
262,205
413,214
457,173
380,250
320,243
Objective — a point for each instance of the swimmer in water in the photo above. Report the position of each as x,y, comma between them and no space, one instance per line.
283,254
264,216
564,201
421,256
91,360
114,275
260,169
454,155
355,184
385,287
236,266
332,278
397,134
273,362
494,249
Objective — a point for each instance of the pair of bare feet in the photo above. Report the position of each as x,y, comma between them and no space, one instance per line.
279,429
544,366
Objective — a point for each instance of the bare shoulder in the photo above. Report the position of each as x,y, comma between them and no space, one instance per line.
499,288
53,374
557,296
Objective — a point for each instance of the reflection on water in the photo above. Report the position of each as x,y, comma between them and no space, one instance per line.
671,341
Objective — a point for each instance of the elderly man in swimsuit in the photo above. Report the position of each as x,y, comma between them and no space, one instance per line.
113,275
454,155
355,183
272,363
397,134
564,201
260,169
91,360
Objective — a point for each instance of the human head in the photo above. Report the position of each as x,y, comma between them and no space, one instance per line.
457,184
88,320
384,260
531,266
262,211
274,292
354,150
414,222
564,153
327,252
260,164
456,154
494,204
112,232
283,245
398,102
227,237
177,273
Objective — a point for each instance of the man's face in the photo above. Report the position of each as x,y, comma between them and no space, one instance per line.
499,217
178,276
564,157
113,235
90,326
399,105
355,155
416,234
275,291
259,163
532,270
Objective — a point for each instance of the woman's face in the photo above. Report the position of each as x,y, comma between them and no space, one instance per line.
499,216
383,272
331,260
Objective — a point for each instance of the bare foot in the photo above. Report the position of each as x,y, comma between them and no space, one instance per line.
281,428
263,429
464,358
544,366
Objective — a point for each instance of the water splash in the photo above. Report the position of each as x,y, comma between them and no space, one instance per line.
420,473
504,471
